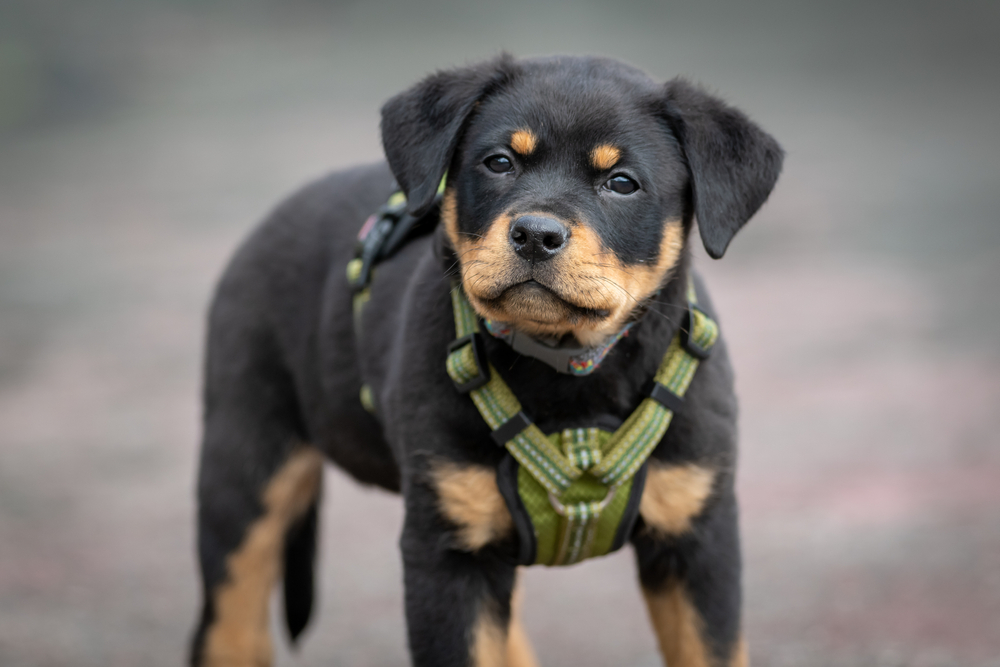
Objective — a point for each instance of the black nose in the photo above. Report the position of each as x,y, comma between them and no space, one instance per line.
536,238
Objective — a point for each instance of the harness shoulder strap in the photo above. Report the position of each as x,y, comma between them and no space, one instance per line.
632,444
498,405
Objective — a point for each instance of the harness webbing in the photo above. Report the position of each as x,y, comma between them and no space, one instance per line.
584,478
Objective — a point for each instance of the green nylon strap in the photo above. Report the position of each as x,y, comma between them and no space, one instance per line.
396,202
575,485
582,446
497,403
359,301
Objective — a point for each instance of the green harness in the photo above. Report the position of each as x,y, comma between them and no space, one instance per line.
579,489
574,494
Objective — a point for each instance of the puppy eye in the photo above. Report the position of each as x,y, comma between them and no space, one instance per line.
621,184
499,164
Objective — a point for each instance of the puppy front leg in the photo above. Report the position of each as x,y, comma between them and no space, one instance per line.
691,583
458,603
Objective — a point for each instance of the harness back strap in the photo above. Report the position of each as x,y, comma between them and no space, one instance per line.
594,470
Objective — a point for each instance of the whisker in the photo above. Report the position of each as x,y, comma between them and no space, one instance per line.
649,304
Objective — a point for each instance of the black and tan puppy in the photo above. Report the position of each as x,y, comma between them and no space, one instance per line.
572,187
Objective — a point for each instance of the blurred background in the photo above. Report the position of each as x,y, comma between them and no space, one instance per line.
140,140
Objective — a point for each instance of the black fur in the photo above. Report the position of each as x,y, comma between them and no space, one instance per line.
285,365
421,126
733,163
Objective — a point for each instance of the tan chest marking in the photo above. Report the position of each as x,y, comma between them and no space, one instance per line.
524,142
239,634
604,156
674,495
468,497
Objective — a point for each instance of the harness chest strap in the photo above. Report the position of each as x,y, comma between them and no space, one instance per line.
590,473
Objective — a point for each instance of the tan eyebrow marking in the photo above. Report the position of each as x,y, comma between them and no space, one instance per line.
523,142
604,156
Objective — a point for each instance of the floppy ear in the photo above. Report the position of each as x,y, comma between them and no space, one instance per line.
421,126
733,163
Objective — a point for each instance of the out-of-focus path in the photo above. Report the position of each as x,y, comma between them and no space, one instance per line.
140,141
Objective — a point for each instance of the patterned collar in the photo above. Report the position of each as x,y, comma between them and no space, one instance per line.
569,360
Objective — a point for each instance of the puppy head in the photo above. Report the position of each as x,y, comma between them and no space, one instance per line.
572,183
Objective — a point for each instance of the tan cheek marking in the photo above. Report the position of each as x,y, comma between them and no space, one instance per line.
678,627
616,287
604,156
468,496
519,651
484,257
239,635
646,278
671,246
523,142
478,257
674,495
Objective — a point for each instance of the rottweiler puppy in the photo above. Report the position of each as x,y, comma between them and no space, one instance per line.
559,195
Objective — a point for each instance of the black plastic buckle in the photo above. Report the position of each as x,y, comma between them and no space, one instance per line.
556,357
666,398
687,328
390,231
509,429
482,361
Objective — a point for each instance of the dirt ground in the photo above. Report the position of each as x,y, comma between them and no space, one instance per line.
139,142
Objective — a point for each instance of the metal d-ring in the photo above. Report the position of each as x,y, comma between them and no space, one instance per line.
561,509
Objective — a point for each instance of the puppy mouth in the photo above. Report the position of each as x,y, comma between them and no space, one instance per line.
538,303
